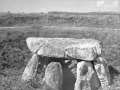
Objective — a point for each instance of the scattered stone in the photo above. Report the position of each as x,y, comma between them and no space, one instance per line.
86,77
85,49
53,76
101,68
31,68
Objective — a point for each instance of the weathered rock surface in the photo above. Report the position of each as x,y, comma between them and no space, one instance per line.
31,68
86,77
92,70
101,68
53,76
86,49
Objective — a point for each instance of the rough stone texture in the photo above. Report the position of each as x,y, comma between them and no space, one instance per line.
86,77
31,68
53,76
102,72
86,49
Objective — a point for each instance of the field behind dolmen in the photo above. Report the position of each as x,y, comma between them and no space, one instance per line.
14,53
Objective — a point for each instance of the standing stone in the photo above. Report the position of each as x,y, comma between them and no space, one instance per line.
86,77
102,72
31,68
53,76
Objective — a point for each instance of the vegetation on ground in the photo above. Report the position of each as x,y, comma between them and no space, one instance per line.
104,20
14,53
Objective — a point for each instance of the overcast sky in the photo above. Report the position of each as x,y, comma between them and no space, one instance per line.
29,6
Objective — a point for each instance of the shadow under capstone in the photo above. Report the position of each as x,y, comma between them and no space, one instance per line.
113,72
68,77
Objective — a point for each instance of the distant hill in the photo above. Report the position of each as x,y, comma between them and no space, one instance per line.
87,13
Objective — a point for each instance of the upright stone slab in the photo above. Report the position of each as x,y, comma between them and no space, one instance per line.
31,68
101,68
53,76
86,77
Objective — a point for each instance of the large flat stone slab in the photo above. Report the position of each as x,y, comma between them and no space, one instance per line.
86,49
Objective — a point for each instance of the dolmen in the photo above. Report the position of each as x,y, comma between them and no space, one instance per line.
92,70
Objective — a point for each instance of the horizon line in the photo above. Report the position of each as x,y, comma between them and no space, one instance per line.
65,12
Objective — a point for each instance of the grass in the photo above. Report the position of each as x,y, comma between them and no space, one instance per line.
105,20
14,53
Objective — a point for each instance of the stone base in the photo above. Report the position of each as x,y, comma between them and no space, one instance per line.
86,77
53,76
102,71
90,76
31,68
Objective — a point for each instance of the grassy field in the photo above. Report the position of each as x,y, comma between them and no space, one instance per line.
98,20
14,53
